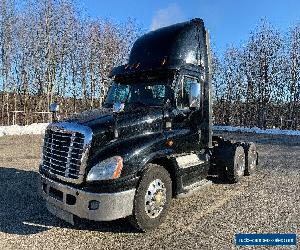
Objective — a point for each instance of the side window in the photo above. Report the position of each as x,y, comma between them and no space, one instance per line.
159,91
184,90
117,93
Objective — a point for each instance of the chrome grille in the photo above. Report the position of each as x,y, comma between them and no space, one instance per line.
62,153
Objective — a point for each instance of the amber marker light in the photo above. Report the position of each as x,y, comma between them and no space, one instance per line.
118,168
170,143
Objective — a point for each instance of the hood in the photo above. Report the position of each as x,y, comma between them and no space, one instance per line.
131,122
90,115
101,121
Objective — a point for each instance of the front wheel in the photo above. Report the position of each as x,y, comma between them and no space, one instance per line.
152,198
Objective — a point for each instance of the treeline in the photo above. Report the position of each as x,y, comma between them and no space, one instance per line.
51,51
258,83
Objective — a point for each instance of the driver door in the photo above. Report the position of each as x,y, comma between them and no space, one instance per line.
184,125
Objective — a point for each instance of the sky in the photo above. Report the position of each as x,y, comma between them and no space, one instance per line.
229,21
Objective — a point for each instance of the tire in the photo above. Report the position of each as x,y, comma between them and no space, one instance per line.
251,158
236,164
152,198
222,173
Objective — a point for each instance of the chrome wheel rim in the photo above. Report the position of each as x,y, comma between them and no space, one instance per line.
155,198
252,164
240,165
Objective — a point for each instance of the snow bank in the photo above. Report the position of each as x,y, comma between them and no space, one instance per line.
33,129
39,128
257,130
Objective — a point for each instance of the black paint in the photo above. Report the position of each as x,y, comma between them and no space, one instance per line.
142,132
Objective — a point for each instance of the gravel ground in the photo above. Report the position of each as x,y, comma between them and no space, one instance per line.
267,202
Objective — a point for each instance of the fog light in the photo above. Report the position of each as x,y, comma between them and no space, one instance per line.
94,205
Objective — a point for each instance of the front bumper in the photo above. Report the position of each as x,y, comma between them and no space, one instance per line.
65,201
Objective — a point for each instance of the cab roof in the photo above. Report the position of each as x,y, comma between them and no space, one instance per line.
167,48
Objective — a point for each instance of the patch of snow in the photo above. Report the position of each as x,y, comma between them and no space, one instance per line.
39,128
257,130
33,129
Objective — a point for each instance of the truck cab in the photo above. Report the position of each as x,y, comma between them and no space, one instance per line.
150,141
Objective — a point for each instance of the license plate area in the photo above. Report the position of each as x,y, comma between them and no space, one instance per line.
62,214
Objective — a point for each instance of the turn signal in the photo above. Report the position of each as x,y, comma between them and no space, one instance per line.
170,143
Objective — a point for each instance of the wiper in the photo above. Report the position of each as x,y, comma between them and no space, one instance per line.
138,103
142,104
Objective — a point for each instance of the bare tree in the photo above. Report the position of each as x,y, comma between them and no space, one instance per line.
232,86
293,75
258,83
7,21
50,51
262,69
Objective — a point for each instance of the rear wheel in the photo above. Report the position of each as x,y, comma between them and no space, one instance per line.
236,164
152,198
222,173
250,158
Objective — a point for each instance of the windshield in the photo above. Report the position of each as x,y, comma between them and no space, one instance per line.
142,94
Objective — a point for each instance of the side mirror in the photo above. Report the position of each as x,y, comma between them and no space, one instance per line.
118,107
54,108
167,104
195,95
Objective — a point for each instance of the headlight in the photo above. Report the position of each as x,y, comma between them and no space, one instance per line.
106,170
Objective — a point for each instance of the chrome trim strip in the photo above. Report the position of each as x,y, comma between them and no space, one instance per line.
60,156
71,127
53,143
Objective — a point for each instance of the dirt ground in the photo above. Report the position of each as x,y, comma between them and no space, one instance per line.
267,202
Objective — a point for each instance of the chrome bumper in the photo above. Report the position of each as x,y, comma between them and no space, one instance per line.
64,202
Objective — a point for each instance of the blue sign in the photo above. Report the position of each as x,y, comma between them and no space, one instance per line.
265,239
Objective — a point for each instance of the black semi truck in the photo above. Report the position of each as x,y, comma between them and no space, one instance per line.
150,141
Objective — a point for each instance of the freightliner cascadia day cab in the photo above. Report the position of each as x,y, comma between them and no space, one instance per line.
151,140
